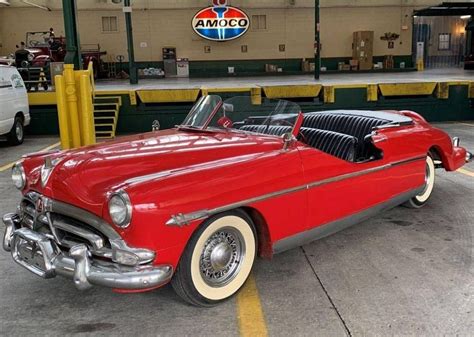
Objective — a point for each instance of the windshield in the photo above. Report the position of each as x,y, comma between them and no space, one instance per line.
244,113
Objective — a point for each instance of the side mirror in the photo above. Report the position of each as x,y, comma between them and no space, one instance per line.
155,126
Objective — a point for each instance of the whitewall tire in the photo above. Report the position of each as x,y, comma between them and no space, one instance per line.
218,259
421,199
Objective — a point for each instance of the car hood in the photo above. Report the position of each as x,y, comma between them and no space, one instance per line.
85,176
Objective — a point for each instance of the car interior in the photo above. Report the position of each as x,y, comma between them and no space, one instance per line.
345,135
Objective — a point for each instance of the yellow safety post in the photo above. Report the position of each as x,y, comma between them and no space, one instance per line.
329,94
87,111
420,65
372,93
64,125
75,100
256,95
90,69
77,77
71,100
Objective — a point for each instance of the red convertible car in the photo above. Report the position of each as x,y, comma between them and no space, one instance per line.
195,205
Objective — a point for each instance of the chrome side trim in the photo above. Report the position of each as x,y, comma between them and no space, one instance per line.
322,231
392,125
181,219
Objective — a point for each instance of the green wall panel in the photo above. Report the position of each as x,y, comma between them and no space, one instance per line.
206,69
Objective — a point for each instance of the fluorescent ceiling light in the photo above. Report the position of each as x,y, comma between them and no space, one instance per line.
36,5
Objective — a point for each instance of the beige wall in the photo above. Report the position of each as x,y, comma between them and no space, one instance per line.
171,26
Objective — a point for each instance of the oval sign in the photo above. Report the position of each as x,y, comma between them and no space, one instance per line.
221,23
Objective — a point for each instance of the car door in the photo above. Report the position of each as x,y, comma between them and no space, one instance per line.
7,98
20,94
340,192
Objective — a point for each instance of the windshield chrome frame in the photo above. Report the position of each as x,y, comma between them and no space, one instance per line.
208,121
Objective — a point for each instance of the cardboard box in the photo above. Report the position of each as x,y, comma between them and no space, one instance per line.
354,65
305,66
363,49
271,68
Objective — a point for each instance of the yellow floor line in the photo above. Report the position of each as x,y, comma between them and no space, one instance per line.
9,166
466,172
249,310
468,124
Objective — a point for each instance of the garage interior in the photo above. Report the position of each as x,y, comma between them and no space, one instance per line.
400,273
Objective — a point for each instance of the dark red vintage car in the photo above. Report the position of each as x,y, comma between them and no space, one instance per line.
42,49
196,204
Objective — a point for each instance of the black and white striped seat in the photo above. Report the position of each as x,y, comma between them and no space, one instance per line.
273,130
336,144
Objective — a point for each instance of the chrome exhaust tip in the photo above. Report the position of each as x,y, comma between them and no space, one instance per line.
469,157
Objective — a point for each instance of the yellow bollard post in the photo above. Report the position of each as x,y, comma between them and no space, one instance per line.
87,110
71,100
64,125
256,95
420,65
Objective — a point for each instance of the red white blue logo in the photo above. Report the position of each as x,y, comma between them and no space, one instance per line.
221,22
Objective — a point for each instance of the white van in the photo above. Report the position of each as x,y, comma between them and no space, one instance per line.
14,109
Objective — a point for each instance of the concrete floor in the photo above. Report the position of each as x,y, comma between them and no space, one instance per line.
437,75
404,272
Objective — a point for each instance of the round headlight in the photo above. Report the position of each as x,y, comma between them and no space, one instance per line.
120,209
19,176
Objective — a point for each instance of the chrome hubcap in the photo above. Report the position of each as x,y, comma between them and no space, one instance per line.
222,257
19,131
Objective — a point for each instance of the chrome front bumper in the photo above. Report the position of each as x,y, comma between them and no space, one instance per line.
43,257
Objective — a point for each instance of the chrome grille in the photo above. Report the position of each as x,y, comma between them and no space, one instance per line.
36,214
28,212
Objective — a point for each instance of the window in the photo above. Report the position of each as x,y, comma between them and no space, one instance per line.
109,24
444,41
259,22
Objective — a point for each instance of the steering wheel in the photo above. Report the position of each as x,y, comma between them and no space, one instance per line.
33,43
